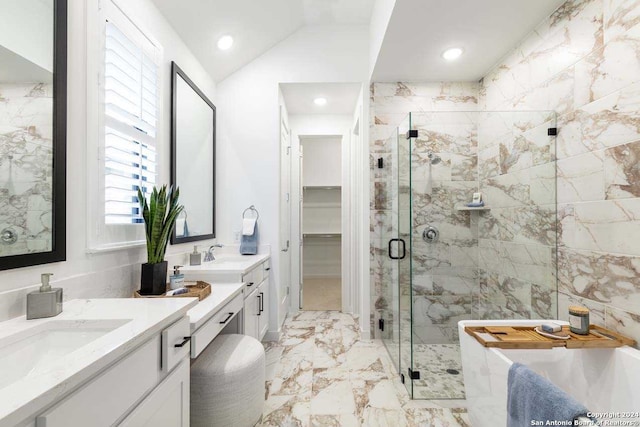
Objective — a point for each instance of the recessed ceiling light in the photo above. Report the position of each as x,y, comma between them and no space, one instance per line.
320,101
452,54
225,42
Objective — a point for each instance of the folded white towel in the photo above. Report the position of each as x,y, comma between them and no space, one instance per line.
180,226
248,226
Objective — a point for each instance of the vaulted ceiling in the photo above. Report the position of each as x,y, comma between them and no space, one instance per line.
255,25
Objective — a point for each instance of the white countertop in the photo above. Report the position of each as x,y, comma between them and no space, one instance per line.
221,293
147,317
226,263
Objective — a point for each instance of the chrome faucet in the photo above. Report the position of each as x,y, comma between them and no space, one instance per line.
208,256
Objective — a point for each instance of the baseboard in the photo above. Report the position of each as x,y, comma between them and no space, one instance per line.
272,336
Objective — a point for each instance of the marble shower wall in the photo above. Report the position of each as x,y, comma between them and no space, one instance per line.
584,63
25,165
517,237
452,137
445,273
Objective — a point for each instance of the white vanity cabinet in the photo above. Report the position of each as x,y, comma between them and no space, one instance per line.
147,387
256,303
253,272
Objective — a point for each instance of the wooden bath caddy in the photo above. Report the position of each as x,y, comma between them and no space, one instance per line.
198,289
524,337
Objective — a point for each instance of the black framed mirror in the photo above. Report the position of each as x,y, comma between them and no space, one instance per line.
33,121
193,158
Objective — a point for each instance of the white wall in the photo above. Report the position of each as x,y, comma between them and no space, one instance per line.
114,273
322,163
33,20
248,134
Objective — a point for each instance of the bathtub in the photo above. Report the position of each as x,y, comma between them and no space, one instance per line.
603,380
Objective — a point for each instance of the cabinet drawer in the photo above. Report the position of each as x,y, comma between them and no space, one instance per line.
109,395
258,274
167,405
175,343
250,282
207,332
266,267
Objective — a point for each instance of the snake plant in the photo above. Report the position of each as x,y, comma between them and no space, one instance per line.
160,215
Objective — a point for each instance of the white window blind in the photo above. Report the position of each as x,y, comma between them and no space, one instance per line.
131,108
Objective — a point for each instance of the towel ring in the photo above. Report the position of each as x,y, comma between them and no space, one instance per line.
251,208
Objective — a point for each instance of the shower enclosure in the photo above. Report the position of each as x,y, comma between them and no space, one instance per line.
446,262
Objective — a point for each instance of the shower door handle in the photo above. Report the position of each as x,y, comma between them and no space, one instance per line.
402,253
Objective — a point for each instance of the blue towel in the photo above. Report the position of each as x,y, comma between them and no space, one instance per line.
475,205
532,397
249,244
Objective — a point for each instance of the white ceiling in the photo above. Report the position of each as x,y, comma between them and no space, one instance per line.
16,69
420,30
341,97
255,25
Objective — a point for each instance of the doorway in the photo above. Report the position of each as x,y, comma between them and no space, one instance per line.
326,271
321,222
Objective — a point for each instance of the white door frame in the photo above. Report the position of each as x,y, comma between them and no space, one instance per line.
283,290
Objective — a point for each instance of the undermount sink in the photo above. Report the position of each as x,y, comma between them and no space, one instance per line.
227,258
33,351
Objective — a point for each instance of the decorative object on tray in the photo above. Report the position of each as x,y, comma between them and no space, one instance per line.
160,215
553,335
198,289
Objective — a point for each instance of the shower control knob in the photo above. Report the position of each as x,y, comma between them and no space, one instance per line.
8,236
430,234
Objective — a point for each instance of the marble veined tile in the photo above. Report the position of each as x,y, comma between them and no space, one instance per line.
621,172
608,226
286,411
620,18
364,390
605,278
609,69
581,178
623,322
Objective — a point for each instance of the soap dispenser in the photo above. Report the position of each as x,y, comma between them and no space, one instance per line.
196,257
45,302
176,280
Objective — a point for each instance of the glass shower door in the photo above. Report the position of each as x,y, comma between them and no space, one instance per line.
386,227
393,194
403,220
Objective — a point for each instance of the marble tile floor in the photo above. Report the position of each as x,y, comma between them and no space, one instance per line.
321,373
433,361
322,294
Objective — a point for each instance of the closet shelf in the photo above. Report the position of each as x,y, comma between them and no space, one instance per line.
321,205
321,187
466,208
316,234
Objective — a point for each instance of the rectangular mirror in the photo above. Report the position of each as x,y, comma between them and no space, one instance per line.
193,148
33,78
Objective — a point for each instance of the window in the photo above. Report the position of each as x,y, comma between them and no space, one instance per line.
130,121
124,121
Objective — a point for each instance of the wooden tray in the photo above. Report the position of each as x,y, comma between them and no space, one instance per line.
198,289
524,337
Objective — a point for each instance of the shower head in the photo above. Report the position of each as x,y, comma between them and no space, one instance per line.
434,158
